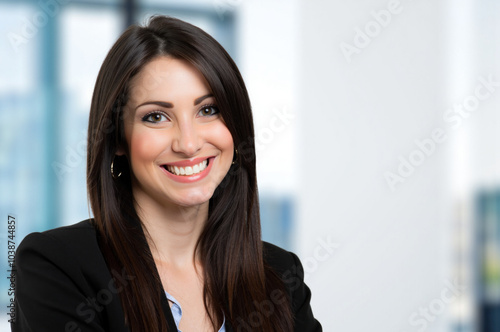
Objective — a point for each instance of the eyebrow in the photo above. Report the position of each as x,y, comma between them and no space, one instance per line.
200,99
170,105
159,103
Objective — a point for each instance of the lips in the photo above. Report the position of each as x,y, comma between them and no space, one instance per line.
187,170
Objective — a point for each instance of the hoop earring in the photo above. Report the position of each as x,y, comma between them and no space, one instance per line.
112,171
235,157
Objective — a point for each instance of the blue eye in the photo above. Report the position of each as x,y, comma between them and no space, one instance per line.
155,117
208,110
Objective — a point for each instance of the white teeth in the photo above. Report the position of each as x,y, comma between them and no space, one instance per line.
189,170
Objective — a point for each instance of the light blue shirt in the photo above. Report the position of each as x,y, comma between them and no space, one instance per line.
177,313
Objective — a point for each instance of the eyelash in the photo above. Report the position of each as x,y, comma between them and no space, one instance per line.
146,118
213,106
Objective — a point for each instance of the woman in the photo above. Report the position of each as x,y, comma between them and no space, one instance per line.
175,241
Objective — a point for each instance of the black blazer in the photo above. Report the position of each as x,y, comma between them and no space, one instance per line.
64,284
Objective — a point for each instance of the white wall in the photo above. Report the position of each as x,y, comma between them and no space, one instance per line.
268,60
395,249
390,253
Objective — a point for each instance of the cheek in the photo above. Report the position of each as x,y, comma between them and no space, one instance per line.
223,140
145,146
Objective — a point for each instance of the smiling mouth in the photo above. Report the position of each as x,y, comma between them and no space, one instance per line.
187,170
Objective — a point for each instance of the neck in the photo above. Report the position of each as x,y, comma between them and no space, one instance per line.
172,231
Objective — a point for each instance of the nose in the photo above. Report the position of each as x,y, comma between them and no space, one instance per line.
187,140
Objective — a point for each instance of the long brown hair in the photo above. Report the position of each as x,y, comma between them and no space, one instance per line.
236,278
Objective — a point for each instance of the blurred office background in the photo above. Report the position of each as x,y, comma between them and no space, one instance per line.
377,129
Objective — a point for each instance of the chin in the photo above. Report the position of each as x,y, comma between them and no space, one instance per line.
194,198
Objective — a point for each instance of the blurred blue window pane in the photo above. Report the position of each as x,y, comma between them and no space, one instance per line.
87,36
488,254
276,219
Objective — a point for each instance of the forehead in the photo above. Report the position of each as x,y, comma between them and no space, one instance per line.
167,78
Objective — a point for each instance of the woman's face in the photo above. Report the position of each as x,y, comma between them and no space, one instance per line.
179,148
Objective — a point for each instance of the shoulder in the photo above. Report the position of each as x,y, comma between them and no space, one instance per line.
71,242
62,274
73,250
288,266
278,258
84,230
